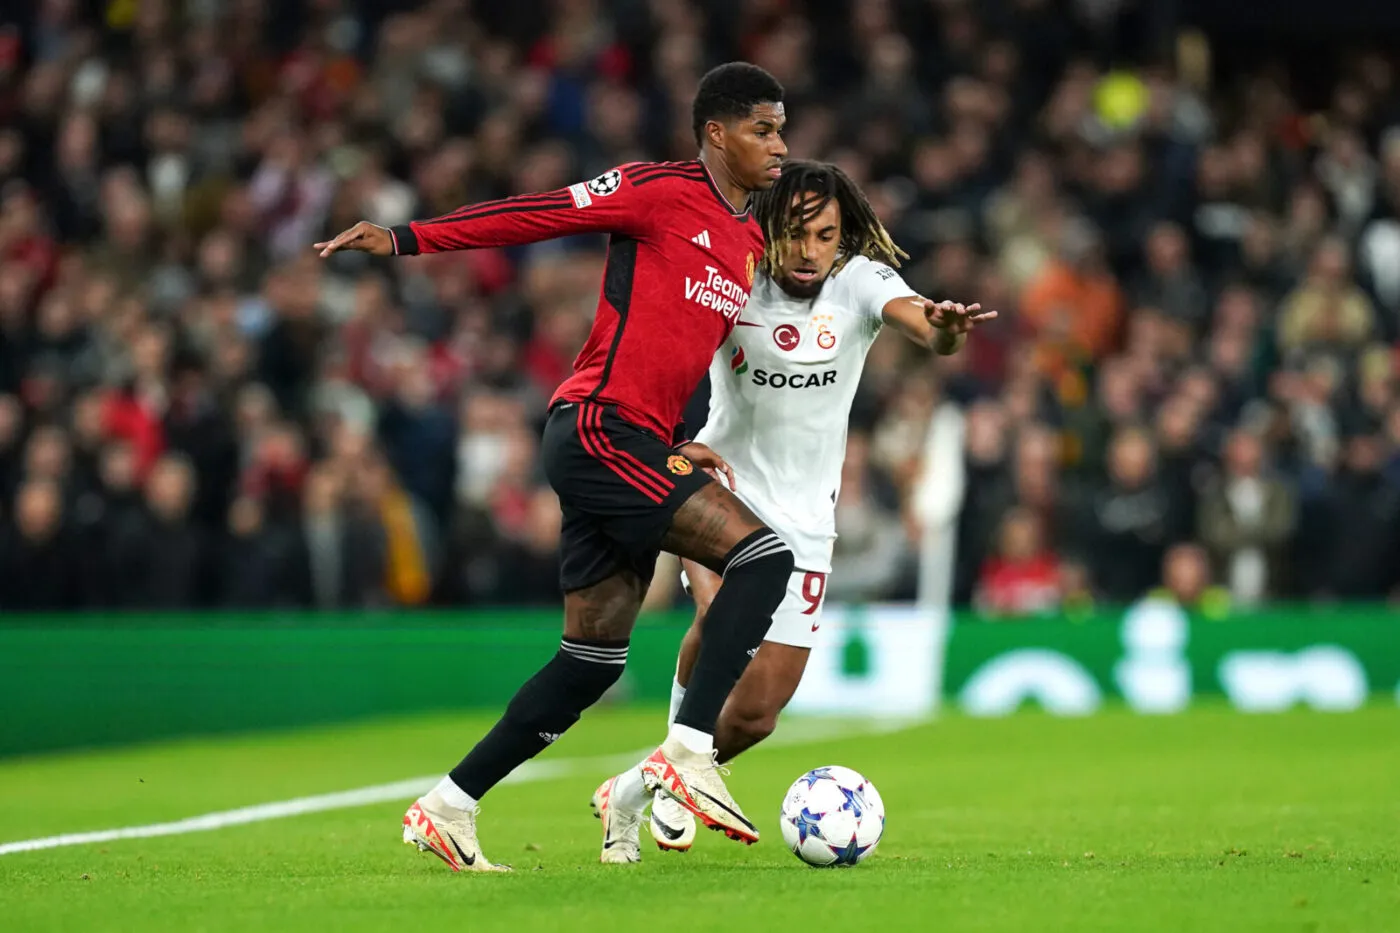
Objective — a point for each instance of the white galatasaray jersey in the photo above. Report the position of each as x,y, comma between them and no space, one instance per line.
781,389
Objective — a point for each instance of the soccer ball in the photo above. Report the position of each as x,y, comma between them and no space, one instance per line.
832,816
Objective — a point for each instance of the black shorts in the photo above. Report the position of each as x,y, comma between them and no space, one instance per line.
619,487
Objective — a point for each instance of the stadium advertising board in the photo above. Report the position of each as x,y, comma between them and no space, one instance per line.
1155,658
68,682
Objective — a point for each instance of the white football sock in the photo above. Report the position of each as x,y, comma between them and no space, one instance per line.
629,791
448,790
701,743
677,694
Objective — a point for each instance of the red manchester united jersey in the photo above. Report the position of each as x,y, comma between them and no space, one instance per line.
681,261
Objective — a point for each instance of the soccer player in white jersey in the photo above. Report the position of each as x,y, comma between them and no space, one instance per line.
781,393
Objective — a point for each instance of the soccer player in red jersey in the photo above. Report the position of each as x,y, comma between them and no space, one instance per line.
681,260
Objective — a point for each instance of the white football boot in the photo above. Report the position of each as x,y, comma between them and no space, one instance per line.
672,825
434,825
622,829
695,781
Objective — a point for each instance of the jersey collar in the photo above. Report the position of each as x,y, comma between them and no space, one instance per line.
719,195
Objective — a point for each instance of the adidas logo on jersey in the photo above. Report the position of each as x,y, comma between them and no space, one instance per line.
550,737
702,239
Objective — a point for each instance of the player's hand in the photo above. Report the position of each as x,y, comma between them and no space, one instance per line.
954,317
709,461
364,237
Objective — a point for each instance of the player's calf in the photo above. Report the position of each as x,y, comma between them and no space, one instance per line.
716,530
578,675
598,621
750,714
743,731
754,574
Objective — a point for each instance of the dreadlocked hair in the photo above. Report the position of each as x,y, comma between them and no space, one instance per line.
862,234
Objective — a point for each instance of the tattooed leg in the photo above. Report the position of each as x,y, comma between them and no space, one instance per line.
714,529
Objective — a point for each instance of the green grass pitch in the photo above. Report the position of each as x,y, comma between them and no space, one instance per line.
1207,821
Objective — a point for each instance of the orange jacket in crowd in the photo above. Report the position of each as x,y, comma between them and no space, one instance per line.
1083,308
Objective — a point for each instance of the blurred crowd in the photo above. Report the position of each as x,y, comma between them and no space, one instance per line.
1191,385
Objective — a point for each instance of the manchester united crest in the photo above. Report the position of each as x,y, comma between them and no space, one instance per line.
748,267
679,465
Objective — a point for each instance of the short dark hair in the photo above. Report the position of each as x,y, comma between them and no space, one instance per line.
862,234
731,91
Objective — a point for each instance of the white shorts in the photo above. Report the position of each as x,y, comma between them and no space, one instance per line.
799,615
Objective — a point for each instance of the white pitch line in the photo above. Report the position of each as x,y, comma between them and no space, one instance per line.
340,800
529,772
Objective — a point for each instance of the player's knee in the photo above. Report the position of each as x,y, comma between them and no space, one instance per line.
761,555
759,566
574,679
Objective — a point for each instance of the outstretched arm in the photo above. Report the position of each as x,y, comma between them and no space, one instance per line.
607,204
942,326
883,296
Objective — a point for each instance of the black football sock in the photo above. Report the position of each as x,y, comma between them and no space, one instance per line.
550,702
756,576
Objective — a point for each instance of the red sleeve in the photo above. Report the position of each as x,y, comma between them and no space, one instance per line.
607,204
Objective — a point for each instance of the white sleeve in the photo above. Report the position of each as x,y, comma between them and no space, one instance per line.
873,285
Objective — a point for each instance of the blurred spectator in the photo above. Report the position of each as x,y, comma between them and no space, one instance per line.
275,465
410,542
1363,541
1169,283
420,438
1040,486
1077,597
1119,401
1180,458
1023,578
1016,217
165,560
259,564
990,492
1186,581
1245,520
1074,305
287,356
37,556
528,562
869,553
1328,311
11,439
344,550
1130,520
198,427
104,519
